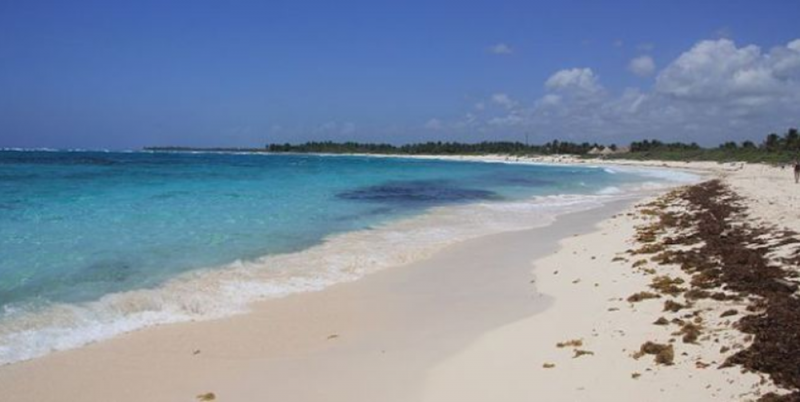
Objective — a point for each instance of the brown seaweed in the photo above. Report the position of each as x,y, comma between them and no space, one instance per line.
729,260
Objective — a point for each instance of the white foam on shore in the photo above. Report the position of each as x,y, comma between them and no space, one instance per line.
222,291
671,176
610,190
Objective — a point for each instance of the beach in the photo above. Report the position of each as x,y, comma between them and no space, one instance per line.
399,202
481,319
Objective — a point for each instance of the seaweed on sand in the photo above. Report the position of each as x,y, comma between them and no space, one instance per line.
673,306
667,285
664,354
729,260
637,297
690,332
572,343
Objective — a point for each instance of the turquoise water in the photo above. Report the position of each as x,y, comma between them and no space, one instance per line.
81,228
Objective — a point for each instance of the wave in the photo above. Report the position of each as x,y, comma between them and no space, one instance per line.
664,175
28,332
610,190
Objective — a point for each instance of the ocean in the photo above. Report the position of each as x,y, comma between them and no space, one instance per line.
94,244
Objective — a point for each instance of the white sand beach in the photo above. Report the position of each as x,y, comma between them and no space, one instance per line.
478,321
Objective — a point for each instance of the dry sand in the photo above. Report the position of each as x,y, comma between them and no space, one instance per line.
475,322
589,295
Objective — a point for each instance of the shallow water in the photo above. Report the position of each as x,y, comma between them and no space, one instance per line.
95,243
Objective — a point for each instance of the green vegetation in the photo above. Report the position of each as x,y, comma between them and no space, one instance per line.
773,149
439,148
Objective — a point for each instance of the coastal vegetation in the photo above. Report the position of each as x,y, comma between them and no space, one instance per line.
442,148
774,148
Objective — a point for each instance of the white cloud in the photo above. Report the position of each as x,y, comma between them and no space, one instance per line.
574,80
715,91
501,49
719,71
642,66
549,100
510,120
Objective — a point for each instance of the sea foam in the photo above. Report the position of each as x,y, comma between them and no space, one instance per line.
98,244
222,291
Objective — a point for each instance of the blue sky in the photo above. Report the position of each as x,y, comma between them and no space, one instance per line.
236,73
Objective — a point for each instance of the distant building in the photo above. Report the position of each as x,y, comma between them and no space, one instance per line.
603,151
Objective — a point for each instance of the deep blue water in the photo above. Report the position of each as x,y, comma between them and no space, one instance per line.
75,226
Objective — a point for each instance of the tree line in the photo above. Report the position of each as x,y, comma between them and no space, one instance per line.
440,148
774,148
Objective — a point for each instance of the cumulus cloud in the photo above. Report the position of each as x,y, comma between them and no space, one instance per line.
642,66
501,49
576,80
713,92
742,77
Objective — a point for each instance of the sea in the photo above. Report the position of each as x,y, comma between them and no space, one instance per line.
95,244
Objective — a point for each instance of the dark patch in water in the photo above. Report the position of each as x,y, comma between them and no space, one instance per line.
418,192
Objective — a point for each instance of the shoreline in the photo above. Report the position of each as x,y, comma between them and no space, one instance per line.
585,346
230,290
595,348
376,339
370,326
